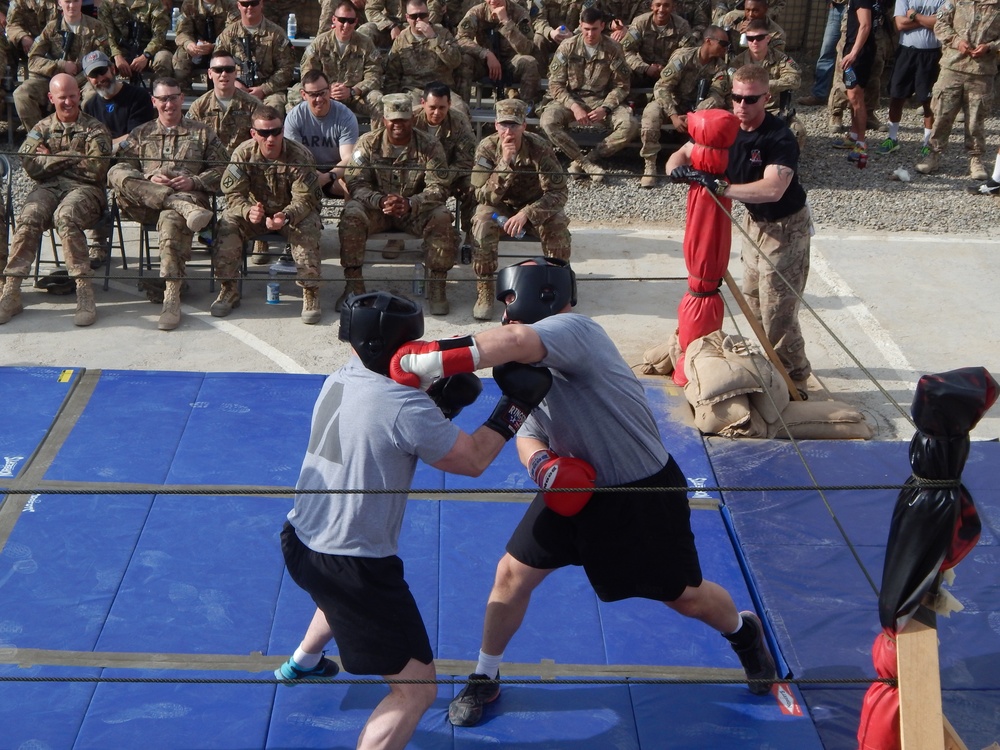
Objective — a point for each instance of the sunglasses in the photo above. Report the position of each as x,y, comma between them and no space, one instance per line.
756,37
98,72
168,98
249,3
223,68
315,94
418,16
746,98
721,42
268,132
346,21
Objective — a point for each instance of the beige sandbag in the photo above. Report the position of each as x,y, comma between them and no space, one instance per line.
822,420
660,359
773,397
711,376
730,418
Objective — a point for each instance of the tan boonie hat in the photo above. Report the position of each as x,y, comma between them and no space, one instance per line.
511,110
397,107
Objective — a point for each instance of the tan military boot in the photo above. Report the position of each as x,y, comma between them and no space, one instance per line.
392,249
10,299
976,169
197,218
436,295
86,307
170,317
930,163
310,305
595,171
260,256
576,170
485,297
353,284
228,299
649,175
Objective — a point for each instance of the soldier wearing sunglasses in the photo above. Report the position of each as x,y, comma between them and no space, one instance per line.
263,53
735,23
199,26
225,108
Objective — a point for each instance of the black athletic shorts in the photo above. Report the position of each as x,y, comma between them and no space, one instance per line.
373,615
863,65
630,544
914,73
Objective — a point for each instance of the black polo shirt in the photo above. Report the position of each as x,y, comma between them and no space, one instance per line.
771,143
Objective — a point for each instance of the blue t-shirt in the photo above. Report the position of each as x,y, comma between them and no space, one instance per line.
323,137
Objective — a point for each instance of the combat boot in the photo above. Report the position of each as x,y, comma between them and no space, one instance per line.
170,317
197,218
649,175
260,255
930,164
353,284
228,299
86,307
485,296
310,305
10,300
591,168
576,170
976,169
436,296
392,249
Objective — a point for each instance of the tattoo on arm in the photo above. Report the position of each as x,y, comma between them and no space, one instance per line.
785,172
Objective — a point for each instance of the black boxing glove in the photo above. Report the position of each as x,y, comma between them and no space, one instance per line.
687,173
452,394
523,388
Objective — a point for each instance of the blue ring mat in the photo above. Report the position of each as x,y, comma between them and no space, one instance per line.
202,575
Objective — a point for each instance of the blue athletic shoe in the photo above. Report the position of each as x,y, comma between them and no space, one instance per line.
291,671
888,146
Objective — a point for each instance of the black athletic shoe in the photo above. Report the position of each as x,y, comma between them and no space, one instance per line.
988,188
466,709
756,659
291,671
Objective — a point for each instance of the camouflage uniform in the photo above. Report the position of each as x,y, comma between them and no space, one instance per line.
199,22
536,182
27,18
676,90
725,7
697,14
413,63
46,57
419,174
785,78
601,81
645,44
358,66
385,15
288,184
69,194
965,81
551,16
731,23
265,51
232,125
512,43
138,27
193,149
459,143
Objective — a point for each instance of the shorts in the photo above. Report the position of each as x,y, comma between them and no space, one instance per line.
632,544
863,65
369,607
914,73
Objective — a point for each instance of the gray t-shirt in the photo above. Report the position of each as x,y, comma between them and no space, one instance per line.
323,137
596,409
367,433
920,38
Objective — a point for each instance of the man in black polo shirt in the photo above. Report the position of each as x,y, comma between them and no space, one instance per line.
762,174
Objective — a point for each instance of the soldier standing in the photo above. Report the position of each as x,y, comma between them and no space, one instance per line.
225,108
263,53
270,185
518,176
498,42
167,171
398,179
67,154
588,84
200,23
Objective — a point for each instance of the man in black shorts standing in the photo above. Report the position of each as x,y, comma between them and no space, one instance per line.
340,547
594,428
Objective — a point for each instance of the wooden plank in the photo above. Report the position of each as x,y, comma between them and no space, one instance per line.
920,718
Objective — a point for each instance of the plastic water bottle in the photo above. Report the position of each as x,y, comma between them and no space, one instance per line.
850,78
293,26
743,40
419,279
175,18
501,220
562,29
273,287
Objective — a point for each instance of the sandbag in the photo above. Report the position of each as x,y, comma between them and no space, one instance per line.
711,376
733,418
660,359
773,396
821,420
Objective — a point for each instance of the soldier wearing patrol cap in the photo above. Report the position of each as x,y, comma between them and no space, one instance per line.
516,175
398,179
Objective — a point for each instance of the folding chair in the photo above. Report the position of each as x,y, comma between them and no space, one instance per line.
111,218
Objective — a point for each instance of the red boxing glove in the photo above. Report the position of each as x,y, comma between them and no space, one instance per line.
552,472
420,363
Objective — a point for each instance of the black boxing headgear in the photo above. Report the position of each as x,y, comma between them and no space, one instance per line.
541,287
377,324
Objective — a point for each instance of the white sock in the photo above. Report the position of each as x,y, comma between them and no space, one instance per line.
488,665
854,136
927,136
739,627
894,131
306,660
996,170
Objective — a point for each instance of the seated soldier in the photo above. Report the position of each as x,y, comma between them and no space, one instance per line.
735,24
167,171
517,176
137,30
225,108
650,41
554,24
588,85
498,43
270,185
386,22
199,26
263,53
398,180
724,7
694,78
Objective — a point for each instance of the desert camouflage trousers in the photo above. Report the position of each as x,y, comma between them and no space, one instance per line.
553,232
952,93
555,119
435,225
775,269
304,238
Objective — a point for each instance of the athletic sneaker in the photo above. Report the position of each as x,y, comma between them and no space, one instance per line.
756,659
292,671
845,143
990,188
888,146
924,151
466,709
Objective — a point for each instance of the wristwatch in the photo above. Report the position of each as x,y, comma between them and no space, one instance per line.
912,15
